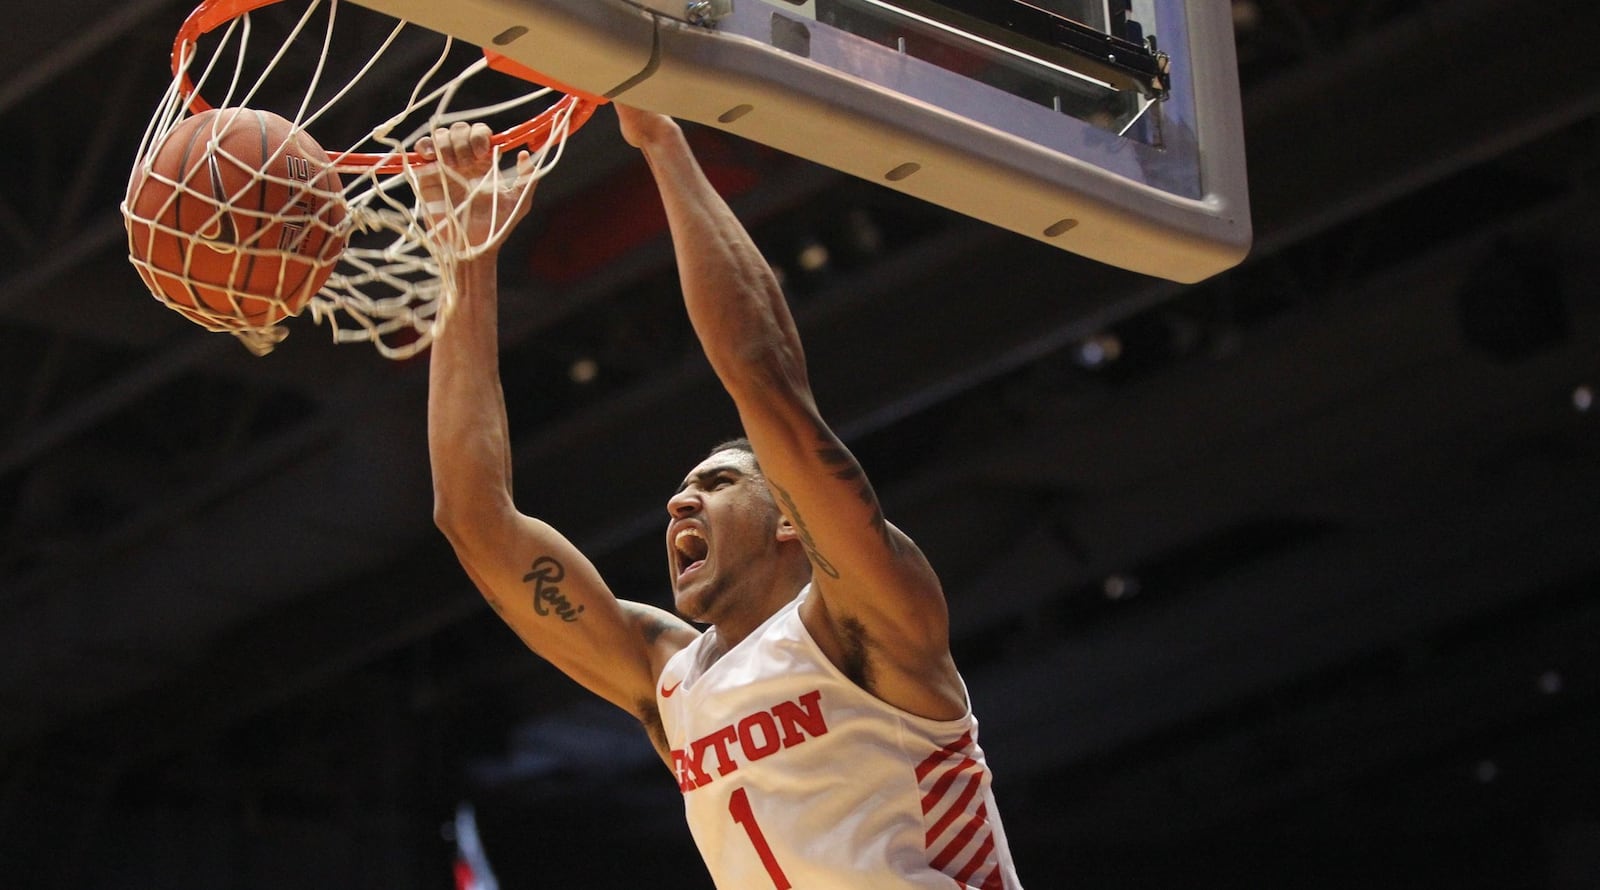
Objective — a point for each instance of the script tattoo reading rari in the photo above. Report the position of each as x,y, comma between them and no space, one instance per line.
547,597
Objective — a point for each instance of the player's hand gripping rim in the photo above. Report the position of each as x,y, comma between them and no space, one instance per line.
469,202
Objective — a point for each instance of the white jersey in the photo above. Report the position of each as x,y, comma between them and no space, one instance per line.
795,777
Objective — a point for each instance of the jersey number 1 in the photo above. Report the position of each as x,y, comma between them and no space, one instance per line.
739,808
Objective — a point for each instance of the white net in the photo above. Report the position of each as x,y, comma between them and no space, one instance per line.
237,240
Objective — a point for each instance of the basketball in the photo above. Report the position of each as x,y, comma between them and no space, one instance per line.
235,218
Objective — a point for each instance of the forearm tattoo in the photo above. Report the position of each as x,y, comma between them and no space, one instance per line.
547,573
806,540
847,469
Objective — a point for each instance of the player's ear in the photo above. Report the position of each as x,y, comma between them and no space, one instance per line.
786,530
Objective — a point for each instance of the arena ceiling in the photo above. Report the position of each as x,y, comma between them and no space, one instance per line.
1298,590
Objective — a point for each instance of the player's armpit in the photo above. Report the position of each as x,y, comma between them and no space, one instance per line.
663,634
658,628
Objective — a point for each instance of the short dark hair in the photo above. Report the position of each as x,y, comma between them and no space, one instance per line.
737,444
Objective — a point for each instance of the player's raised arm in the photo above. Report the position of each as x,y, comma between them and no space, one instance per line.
880,612
535,579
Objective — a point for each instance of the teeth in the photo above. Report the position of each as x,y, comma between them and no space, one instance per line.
690,543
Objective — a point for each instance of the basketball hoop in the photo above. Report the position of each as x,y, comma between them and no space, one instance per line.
391,285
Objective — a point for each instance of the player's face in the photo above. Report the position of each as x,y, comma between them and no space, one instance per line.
724,523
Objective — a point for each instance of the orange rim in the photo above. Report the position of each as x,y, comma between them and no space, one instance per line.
212,14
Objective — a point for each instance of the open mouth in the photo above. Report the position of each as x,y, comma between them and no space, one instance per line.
690,547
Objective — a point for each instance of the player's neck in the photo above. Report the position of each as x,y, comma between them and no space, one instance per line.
762,604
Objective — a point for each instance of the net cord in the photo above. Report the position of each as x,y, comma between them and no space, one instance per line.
392,284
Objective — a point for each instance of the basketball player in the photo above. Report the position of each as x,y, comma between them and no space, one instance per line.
817,728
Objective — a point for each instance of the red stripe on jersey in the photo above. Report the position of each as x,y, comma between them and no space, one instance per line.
959,842
974,843
932,796
933,760
978,860
955,810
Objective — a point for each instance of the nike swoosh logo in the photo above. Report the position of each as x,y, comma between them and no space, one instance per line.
666,691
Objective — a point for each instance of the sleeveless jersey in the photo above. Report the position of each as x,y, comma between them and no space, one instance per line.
795,777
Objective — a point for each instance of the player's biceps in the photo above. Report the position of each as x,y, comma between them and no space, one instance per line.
565,614
557,582
557,588
528,566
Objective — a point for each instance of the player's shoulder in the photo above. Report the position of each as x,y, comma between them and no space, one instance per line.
661,630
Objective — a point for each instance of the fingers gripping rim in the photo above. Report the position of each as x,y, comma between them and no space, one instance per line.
212,14
532,132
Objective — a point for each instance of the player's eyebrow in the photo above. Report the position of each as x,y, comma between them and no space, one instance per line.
707,474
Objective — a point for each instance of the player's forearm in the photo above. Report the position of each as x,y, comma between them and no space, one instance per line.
734,303
468,438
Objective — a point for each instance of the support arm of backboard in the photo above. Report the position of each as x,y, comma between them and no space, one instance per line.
755,72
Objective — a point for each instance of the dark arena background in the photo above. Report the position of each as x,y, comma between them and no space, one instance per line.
1288,579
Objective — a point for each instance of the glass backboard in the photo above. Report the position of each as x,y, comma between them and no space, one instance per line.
1109,128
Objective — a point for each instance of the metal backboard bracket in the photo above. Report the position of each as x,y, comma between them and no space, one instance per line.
1138,168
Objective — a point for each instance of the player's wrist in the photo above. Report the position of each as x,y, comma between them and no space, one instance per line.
478,269
662,129
647,130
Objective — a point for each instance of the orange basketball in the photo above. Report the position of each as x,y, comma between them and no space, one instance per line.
235,218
